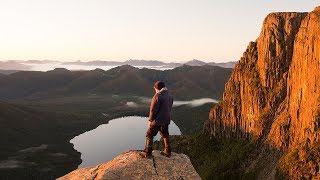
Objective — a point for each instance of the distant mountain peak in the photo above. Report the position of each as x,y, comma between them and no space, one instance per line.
144,62
195,62
59,70
98,70
127,66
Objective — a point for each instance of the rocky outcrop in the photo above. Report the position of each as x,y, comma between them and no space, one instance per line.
130,165
273,95
274,91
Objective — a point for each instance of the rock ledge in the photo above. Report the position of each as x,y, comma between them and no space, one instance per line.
130,165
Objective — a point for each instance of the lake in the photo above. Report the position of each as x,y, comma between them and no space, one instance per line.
109,140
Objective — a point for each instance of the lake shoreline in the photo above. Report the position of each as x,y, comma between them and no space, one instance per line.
124,133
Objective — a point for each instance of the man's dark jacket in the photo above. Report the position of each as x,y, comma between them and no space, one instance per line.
160,108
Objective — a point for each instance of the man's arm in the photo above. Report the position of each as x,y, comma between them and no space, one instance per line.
154,108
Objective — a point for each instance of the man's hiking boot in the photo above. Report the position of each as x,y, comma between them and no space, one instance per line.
167,148
165,154
148,148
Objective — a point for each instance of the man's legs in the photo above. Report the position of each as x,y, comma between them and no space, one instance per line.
148,148
164,131
152,131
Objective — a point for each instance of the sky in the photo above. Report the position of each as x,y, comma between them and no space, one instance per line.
166,30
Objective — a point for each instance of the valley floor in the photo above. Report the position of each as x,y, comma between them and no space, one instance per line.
40,148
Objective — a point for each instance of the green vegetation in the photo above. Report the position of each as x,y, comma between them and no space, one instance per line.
213,158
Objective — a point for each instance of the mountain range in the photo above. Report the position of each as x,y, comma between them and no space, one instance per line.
27,65
184,82
12,65
193,62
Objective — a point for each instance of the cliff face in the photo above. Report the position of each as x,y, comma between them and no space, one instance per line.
273,94
130,165
300,119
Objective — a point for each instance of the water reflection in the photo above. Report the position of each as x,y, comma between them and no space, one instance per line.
109,140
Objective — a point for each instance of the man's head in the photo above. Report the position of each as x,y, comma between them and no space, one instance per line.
159,85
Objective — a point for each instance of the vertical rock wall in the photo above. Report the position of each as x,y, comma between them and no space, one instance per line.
274,91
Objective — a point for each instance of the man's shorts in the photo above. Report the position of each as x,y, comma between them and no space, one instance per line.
153,131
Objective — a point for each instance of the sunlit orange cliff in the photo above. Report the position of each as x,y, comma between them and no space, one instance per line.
273,95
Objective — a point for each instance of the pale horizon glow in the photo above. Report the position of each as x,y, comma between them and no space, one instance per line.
166,30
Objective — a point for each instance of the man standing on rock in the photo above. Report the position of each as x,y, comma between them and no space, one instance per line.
159,118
